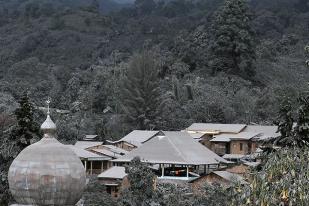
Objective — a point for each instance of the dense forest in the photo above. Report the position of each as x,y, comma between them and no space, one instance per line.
111,66
78,53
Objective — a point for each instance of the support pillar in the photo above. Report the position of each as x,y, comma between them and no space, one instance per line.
86,166
187,171
205,169
102,166
91,167
162,170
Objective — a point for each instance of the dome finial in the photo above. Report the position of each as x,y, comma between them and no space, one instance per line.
48,103
48,126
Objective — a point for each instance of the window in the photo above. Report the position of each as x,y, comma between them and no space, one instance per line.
240,146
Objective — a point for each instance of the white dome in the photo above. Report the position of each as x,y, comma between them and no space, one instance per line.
47,173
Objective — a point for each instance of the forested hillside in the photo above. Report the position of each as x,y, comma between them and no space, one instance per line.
78,53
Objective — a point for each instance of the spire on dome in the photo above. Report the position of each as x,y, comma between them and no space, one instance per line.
48,126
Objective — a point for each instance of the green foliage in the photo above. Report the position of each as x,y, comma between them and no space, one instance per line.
95,194
217,195
233,46
141,189
14,140
282,181
26,131
298,134
141,98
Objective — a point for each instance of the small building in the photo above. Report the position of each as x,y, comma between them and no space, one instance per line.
93,163
206,131
223,178
243,168
238,139
134,139
114,180
242,143
87,144
177,156
110,151
91,138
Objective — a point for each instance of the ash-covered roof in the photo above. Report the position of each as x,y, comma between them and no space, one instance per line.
113,173
173,148
216,128
138,137
231,177
84,154
266,132
230,137
87,144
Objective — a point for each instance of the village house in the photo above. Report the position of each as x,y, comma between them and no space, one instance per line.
176,156
134,139
95,156
223,178
115,180
93,163
243,168
241,143
204,132
232,141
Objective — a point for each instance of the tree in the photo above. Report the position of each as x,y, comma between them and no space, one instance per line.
233,47
141,179
141,97
27,130
95,194
283,180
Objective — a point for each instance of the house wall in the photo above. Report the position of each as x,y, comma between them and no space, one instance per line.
219,148
125,146
240,147
123,184
205,140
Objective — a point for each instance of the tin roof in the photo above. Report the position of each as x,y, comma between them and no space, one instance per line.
113,173
231,177
138,137
87,144
266,132
173,148
230,137
216,128
84,154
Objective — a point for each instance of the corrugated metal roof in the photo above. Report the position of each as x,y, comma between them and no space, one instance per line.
230,176
138,137
220,139
173,148
116,149
233,156
87,144
90,136
195,135
84,154
266,132
113,173
220,128
230,137
107,152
